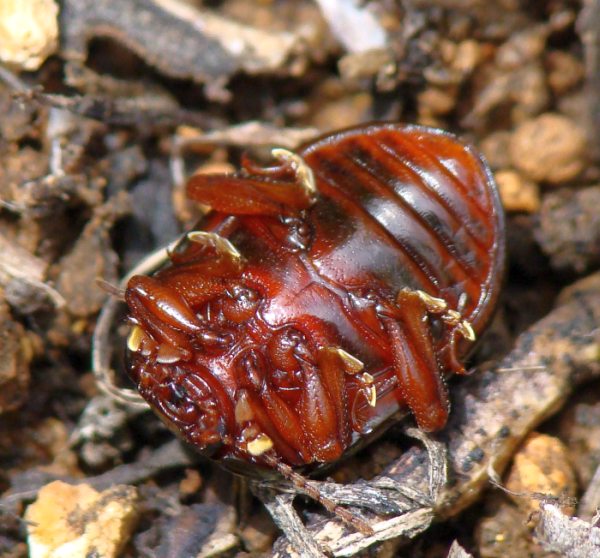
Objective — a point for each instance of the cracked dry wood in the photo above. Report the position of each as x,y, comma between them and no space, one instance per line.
168,35
567,536
493,411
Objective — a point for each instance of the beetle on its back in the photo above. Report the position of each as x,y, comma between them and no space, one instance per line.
320,296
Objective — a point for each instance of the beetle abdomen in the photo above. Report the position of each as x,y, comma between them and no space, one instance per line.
427,203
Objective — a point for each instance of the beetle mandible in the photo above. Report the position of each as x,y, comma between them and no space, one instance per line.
320,296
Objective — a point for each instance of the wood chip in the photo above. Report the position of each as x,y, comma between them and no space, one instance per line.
170,36
571,537
549,148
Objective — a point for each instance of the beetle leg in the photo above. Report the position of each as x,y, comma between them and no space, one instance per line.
162,313
350,363
259,433
304,174
286,422
334,363
248,196
223,248
353,366
420,377
318,377
258,402
162,302
207,254
318,416
167,317
368,388
419,363
450,317
257,195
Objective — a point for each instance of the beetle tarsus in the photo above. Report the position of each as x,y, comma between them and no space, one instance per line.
221,244
303,172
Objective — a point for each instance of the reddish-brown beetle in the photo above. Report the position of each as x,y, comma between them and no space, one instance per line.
320,296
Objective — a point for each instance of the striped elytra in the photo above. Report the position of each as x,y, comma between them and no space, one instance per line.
321,297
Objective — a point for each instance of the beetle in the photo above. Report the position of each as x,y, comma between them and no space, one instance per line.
321,296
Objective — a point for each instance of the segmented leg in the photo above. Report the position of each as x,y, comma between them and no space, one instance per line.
318,416
260,433
261,194
165,321
163,314
209,254
151,298
417,362
419,376
309,433
318,426
333,368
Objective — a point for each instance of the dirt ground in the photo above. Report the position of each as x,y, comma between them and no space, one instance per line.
107,106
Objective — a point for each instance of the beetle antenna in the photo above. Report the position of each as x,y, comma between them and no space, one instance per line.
110,288
305,486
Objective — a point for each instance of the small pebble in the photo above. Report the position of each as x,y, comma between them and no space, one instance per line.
568,228
69,521
495,149
191,484
435,101
517,193
541,467
565,72
468,54
550,148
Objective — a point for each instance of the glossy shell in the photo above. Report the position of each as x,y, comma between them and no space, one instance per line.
321,296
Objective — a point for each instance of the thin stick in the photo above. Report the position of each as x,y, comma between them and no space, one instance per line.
304,485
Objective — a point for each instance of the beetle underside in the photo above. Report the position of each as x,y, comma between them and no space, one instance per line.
320,297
